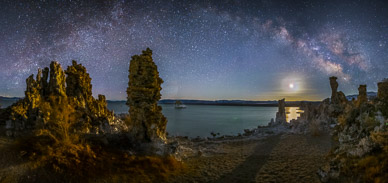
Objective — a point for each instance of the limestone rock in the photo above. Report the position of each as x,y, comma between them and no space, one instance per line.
57,80
32,109
319,118
362,96
334,87
43,81
78,83
281,114
358,124
382,92
143,91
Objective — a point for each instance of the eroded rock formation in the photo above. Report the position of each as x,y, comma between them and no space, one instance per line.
336,97
143,91
281,114
334,87
382,92
317,119
56,84
362,96
361,134
76,89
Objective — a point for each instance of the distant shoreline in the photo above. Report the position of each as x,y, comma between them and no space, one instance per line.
9,101
236,104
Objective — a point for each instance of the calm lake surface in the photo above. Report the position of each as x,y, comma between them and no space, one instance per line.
201,120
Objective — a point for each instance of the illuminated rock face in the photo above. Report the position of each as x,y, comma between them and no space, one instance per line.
143,91
79,89
78,84
76,87
56,84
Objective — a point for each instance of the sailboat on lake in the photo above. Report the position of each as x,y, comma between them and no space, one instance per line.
179,105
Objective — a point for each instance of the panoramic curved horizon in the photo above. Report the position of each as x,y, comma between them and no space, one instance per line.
248,50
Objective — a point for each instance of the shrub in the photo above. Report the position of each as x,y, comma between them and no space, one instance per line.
374,167
56,141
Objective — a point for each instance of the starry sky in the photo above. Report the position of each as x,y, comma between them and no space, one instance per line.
250,50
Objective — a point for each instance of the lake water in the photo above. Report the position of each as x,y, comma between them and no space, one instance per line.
201,120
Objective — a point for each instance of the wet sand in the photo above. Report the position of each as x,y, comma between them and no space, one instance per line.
277,158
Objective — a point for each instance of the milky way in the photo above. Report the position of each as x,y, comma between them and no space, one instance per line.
204,50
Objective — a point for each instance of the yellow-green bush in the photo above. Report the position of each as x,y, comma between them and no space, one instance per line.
374,167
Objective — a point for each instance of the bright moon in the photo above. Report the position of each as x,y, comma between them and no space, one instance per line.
291,85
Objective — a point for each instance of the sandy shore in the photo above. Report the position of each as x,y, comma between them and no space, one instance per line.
277,158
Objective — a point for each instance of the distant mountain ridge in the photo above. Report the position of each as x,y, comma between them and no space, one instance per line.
7,101
370,95
10,98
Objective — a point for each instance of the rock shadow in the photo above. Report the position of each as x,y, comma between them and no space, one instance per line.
248,170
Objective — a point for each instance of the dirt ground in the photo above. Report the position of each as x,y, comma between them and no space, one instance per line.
279,158
276,158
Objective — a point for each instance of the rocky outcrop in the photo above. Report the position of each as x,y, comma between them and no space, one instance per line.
76,89
56,84
281,117
382,93
360,131
147,120
79,89
314,120
281,114
362,96
336,97
78,84
317,119
334,87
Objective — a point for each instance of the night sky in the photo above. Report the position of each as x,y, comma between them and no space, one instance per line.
252,50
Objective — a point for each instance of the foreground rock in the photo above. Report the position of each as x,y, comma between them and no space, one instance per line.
360,155
149,124
50,87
